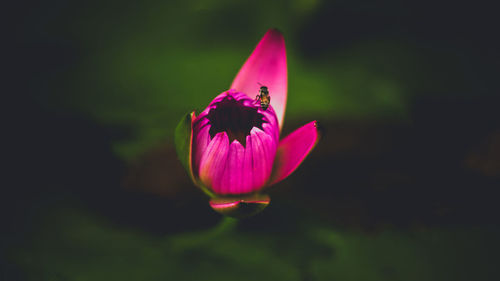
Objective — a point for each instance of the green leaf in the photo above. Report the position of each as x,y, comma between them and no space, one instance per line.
183,139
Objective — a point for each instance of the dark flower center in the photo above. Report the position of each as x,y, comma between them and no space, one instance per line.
234,118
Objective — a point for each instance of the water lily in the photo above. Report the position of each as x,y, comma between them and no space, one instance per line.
232,149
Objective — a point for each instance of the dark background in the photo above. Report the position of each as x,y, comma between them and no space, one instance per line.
402,186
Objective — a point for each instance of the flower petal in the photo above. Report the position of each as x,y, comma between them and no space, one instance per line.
250,167
240,207
266,66
232,169
263,154
232,166
233,180
293,149
201,140
214,161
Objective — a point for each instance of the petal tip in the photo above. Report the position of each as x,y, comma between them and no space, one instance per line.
266,66
274,37
293,149
320,131
275,32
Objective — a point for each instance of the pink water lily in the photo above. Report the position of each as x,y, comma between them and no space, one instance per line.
232,149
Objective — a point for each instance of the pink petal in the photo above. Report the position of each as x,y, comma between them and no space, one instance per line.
293,149
213,162
230,168
233,181
267,66
262,147
233,169
241,206
200,142
270,114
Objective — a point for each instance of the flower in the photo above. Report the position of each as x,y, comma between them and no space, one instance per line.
232,149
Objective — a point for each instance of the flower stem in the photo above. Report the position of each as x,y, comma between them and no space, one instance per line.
227,224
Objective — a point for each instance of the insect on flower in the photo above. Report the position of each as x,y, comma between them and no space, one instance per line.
232,150
263,97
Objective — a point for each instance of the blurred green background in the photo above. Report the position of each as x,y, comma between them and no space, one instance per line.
401,187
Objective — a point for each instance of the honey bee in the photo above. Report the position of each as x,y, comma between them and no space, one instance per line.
264,97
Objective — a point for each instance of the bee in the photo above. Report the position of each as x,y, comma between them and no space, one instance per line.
264,97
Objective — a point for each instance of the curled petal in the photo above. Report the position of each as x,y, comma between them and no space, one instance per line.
266,66
228,159
233,169
269,113
240,207
200,142
293,149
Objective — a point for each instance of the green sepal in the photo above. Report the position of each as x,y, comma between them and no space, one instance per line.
183,139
